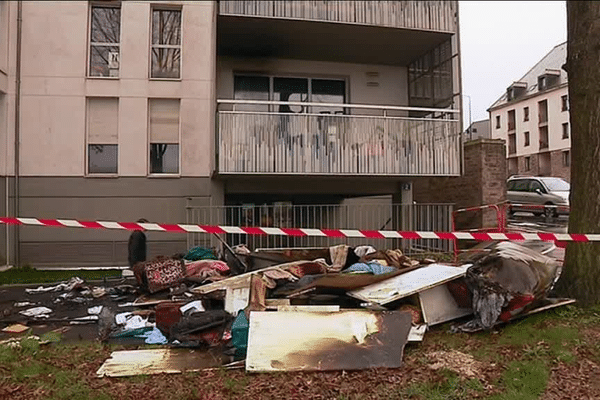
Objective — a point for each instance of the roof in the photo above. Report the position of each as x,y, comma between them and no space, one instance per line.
552,61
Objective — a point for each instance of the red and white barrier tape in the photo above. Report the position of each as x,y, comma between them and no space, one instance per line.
300,232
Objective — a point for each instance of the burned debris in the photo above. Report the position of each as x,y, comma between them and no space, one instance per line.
336,308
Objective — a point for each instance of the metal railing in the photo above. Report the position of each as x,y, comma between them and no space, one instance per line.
373,140
405,217
423,15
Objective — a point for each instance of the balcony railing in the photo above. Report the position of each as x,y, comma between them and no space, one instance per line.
361,143
425,15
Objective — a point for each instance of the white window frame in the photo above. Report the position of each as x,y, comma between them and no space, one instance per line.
100,4
149,172
152,46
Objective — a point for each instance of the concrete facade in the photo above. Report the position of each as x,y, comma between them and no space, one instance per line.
46,102
538,136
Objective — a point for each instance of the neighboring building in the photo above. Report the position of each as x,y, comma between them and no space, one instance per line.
533,117
141,109
478,129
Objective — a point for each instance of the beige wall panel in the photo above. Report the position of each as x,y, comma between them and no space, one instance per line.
199,41
133,136
52,135
53,86
197,121
102,87
135,42
54,38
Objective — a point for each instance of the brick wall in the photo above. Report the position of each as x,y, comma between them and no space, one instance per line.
483,182
557,168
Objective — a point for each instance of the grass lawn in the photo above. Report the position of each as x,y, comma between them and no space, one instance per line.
24,275
551,355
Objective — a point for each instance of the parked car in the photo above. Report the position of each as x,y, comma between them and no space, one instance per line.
538,190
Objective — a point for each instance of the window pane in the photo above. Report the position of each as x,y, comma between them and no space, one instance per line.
104,61
166,27
164,158
251,88
328,91
165,62
102,158
106,25
290,89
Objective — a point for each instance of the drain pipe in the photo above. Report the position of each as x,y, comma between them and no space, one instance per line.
18,128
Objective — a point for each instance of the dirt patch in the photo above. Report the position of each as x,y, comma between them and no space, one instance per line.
463,364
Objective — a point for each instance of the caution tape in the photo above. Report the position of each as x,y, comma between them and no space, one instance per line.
303,232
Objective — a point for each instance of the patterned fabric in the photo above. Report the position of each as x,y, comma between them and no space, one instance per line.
159,274
200,253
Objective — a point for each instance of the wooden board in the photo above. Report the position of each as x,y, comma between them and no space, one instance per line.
438,306
334,308
156,361
319,341
407,284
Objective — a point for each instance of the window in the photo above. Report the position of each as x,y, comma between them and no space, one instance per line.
566,158
526,134
564,102
164,135
248,87
497,122
565,129
105,36
512,143
511,120
166,44
521,185
526,114
543,111
527,163
102,135
544,139
535,185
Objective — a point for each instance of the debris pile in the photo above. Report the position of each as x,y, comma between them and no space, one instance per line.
328,308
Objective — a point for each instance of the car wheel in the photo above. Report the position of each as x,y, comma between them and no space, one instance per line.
550,212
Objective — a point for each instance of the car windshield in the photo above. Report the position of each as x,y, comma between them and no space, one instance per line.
556,185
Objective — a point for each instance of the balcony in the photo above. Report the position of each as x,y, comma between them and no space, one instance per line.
439,16
373,140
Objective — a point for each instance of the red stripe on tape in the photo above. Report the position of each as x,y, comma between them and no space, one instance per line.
293,232
410,235
483,237
577,237
514,236
333,233
445,235
172,228
212,229
372,234
50,222
10,221
252,230
548,237
131,226
91,224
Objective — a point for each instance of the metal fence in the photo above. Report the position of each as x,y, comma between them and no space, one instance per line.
404,217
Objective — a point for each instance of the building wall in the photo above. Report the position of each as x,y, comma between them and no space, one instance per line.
55,87
392,89
556,166
556,117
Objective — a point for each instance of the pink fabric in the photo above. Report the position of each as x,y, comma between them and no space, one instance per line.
206,268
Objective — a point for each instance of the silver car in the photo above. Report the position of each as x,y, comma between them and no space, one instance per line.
541,191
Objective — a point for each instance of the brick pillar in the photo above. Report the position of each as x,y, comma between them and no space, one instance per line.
483,182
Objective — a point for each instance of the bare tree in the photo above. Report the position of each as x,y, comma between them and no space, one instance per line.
581,275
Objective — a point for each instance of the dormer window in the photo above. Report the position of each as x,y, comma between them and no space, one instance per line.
549,78
517,89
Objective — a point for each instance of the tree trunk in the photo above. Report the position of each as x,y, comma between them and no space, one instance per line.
581,273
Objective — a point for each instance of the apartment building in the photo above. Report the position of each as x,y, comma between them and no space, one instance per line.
147,109
533,117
